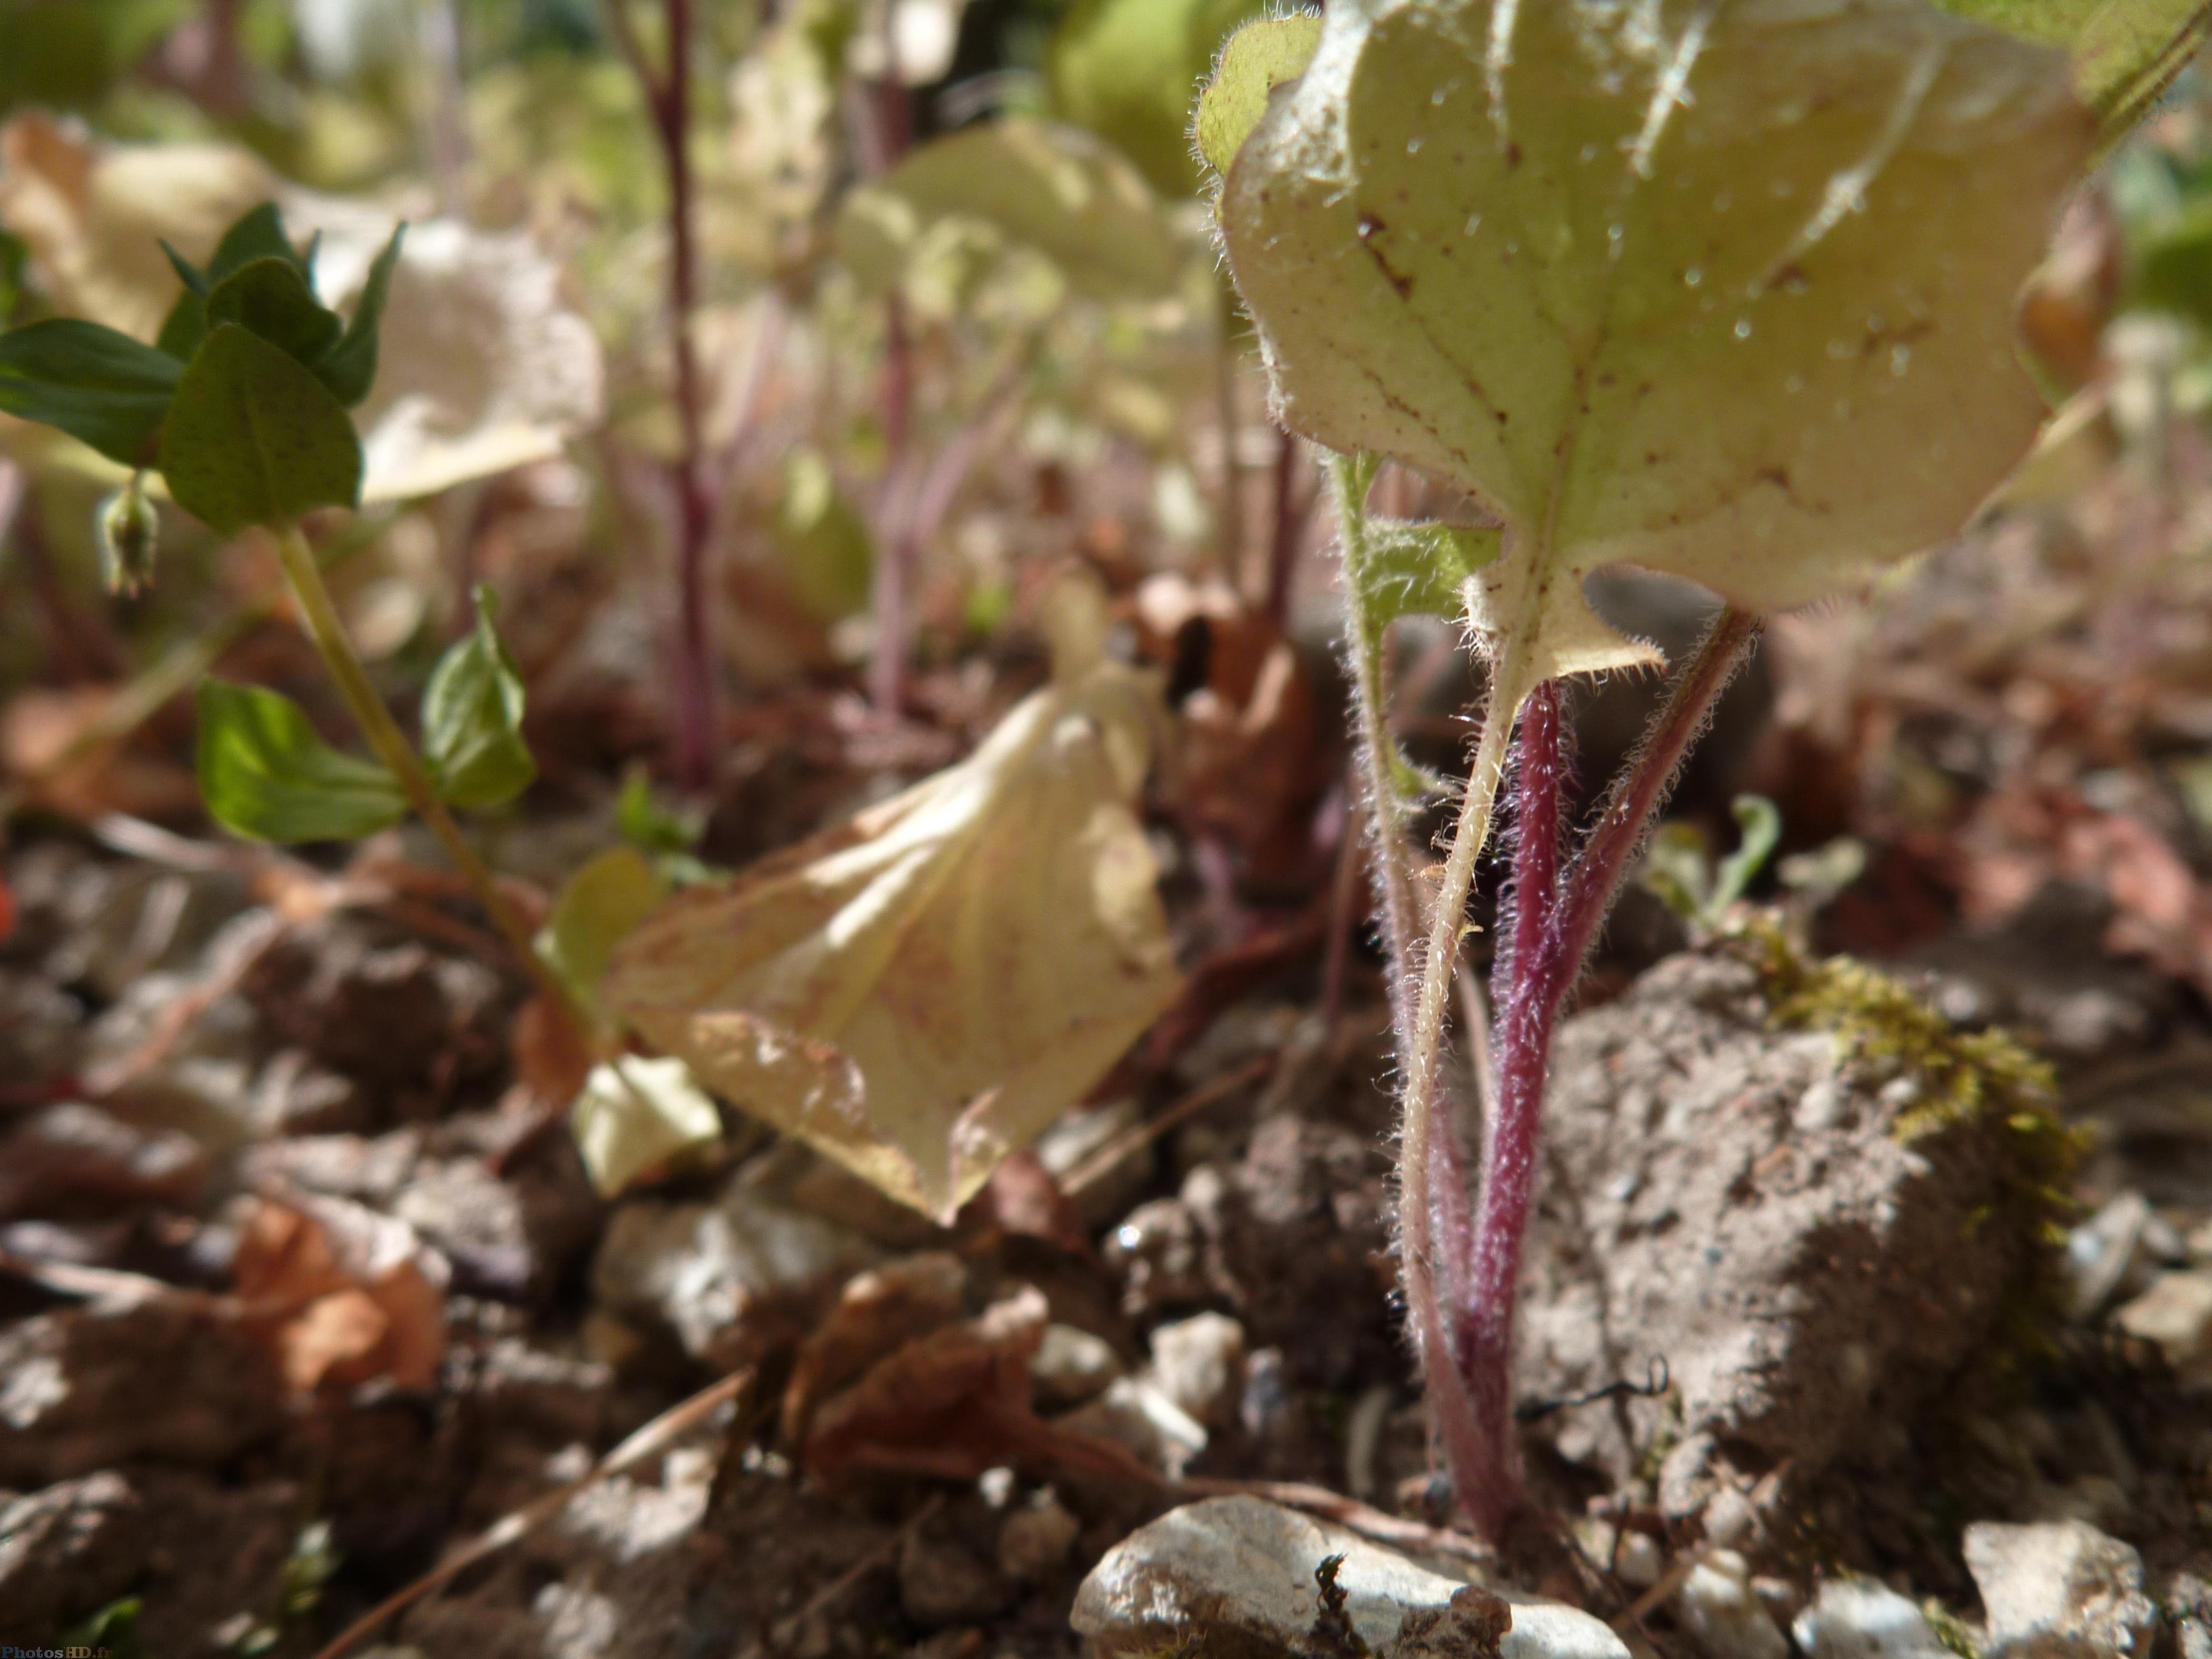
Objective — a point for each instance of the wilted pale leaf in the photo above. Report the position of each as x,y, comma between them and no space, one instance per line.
919,990
481,366
635,1116
1729,296
1055,189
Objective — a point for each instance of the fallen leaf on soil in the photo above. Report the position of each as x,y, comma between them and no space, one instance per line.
345,1296
952,1403
483,367
1248,768
634,1115
921,990
877,1314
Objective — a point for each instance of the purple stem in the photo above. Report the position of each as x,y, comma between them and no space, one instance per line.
668,98
1554,919
1594,879
1523,994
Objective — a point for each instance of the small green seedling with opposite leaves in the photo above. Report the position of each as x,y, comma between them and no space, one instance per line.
239,406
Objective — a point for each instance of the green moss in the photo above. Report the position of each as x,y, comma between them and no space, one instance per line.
1988,1076
1950,1630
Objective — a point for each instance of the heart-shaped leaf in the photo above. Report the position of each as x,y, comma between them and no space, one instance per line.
265,775
254,438
1266,53
1725,292
2125,52
98,385
472,718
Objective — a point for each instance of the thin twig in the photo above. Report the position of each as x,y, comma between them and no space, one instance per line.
1101,1162
653,1437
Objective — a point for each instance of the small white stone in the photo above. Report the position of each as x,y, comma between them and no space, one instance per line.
1716,1606
1135,1414
1072,1365
1233,1575
1859,1619
2058,1590
1640,1561
2175,1312
1198,1362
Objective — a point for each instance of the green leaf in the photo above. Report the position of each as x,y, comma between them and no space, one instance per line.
1759,822
265,775
2125,52
1266,53
269,296
1726,293
821,540
597,909
184,328
472,718
1422,569
1125,70
98,385
257,233
253,438
349,367
1056,188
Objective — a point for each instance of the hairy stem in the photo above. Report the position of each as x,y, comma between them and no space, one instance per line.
1522,992
328,630
1554,918
1594,879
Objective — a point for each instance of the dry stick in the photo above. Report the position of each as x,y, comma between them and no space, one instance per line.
320,618
683,1415
1101,1162
1284,538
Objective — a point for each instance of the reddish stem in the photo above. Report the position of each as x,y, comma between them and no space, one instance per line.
1554,919
670,96
1594,879
1523,993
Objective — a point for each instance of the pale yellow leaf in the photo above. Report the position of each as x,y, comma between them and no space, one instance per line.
919,990
636,1114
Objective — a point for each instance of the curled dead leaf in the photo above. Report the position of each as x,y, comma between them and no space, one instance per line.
877,1314
342,1295
952,1403
921,990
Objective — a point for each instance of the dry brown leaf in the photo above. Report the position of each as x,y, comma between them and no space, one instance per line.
919,990
344,1296
483,367
952,1403
876,1314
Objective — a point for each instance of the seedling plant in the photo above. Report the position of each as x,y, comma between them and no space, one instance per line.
1725,291
239,407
